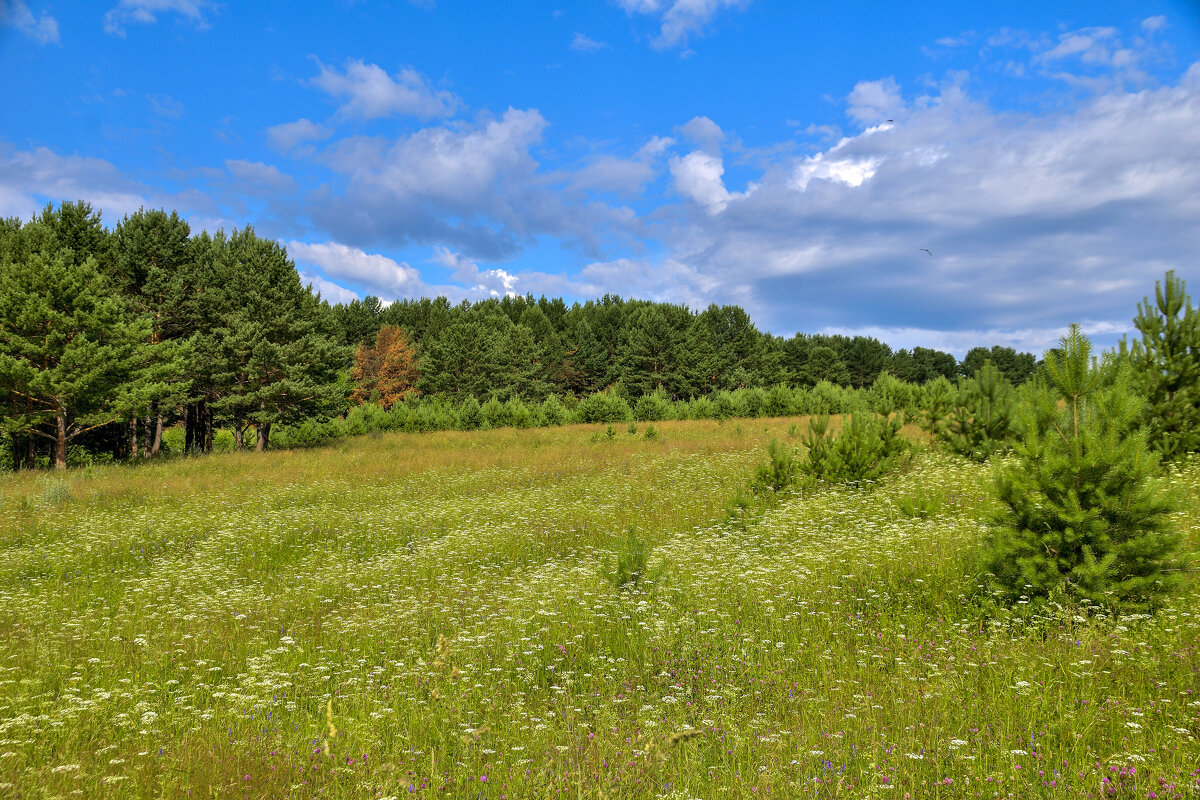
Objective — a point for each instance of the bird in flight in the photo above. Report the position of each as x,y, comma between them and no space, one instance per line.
926,252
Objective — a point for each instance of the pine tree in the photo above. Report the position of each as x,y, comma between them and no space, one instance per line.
1166,365
1082,510
278,357
648,353
981,422
152,269
68,345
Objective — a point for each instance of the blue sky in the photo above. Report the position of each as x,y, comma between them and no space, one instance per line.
790,157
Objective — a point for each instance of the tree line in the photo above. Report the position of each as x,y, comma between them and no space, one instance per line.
108,337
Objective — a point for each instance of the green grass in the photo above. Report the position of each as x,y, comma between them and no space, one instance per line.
182,627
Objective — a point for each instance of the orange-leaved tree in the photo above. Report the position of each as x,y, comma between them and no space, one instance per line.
387,372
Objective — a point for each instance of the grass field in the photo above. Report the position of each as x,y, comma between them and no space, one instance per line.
431,614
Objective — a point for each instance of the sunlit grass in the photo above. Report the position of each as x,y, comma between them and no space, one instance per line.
182,627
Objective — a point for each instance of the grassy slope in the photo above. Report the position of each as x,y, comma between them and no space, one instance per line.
182,627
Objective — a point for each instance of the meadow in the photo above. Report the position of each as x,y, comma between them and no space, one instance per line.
435,615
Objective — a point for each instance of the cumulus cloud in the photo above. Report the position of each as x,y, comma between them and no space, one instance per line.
368,92
31,178
703,133
378,274
147,12
679,19
16,14
697,176
289,135
475,187
1034,222
473,280
873,102
328,289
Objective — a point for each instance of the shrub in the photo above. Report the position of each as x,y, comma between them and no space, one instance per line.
778,472
936,399
493,414
653,407
632,563
779,401
553,412
518,414
982,420
603,407
469,417
701,408
1082,510
868,447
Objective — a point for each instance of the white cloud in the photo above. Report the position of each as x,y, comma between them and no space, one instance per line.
16,14
585,44
1092,45
289,135
704,133
873,102
1034,221
698,177
255,177
476,282
679,19
328,289
369,92
31,178
1154,24
147,12
381,275
474,187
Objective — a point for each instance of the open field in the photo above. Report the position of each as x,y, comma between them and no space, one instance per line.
429,614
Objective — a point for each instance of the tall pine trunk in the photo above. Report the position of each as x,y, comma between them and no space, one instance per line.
60,443
133,442
239,435
158,428
264,434
208,427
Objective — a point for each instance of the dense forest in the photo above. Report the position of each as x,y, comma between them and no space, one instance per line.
108,337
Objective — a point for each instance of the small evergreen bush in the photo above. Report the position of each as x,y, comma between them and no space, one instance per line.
653,407
867,447
603,407
632,565
981,422
778,472
1082,509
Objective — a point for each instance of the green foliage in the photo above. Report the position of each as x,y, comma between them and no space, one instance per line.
650,434
553,412
778,472
632,564
1166,368
603,407
935,401
469,415
867,447
982,419
492,414
652,407
1082,510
